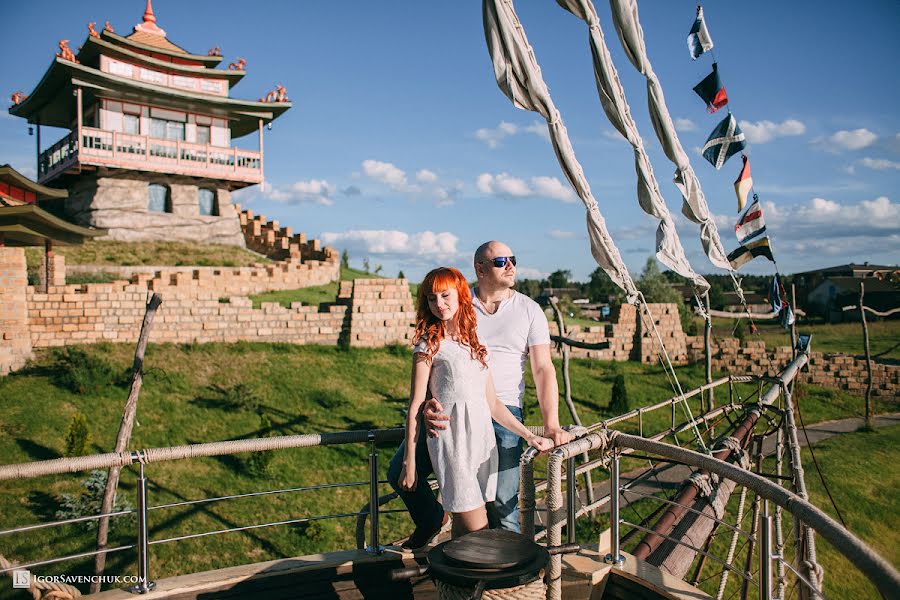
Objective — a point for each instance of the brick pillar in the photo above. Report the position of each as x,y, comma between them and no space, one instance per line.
53,269
15,337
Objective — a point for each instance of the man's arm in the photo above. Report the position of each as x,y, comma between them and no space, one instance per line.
544,374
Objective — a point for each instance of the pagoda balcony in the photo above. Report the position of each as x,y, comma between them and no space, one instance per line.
116,150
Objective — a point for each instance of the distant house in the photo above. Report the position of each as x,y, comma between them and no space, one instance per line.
808,281
571,293
834,293
756,303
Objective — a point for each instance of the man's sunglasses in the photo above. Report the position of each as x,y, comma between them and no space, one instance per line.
500,261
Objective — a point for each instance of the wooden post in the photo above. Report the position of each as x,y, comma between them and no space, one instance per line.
80,114
38,170
707,345
123,438
862,317
262,172
567,391
48,256
794,324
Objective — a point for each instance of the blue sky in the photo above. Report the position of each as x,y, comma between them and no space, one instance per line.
401,148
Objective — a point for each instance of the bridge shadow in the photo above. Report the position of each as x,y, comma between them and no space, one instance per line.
37,451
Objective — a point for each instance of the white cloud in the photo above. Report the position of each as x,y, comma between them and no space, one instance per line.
426,176
766,131
559,234
493,136
317,191
879,164
385,172
847,140
612,134
394,242
506,185
531,273
685,125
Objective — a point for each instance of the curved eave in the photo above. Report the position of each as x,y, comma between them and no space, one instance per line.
41,191
123,41
51,105
29,225
93,47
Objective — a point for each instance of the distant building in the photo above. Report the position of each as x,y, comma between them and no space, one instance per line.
149,154
829,298
807,281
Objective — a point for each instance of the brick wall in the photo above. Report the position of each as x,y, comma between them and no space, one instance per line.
381,312
15,343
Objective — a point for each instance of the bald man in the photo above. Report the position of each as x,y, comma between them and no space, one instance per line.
513,328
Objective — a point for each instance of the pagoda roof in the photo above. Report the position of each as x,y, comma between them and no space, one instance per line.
94,47
10,175
51,104
148,42
29,225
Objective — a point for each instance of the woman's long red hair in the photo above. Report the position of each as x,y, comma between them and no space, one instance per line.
431,329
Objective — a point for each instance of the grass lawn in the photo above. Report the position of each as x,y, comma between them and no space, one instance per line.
126,254
212,392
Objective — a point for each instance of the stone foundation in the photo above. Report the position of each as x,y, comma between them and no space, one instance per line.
15,338
119,205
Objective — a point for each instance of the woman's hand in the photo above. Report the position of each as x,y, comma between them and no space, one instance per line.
407,481
540,443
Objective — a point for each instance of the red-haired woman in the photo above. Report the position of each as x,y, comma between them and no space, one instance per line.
449,361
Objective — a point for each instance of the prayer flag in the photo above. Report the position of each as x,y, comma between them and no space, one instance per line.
751,225
787,317
745,254
775,295
711,91
698,39
743,184
726,140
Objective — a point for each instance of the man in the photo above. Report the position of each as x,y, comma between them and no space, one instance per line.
513,327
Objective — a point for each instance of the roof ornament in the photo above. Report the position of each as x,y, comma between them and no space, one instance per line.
65,52
18,97
108,27
91,30
237,66
149,25
279,94
214,52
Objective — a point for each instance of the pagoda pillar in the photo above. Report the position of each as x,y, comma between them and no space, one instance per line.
262,171
80,115
15,336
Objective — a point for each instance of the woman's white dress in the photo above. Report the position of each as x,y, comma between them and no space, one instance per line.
464,455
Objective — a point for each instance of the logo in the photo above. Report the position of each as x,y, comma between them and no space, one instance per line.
21,578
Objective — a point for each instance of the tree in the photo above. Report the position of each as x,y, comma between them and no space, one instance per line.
345,259
560,278
378,269
529,287
655,285
600,287
77,436
366,265
400,275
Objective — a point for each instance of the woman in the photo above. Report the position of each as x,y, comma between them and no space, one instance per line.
449,361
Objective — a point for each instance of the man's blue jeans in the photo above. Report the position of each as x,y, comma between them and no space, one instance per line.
424,508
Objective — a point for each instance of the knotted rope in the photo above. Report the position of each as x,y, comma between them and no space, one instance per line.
43,590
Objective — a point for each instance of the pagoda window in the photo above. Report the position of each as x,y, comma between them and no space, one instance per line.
131,124
158,198
203,134
153,76
206,199
166,130
120,68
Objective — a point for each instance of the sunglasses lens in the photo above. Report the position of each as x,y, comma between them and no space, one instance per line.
500,261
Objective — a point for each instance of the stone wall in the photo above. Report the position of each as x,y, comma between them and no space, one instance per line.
376,312
15,341
119,204
276,242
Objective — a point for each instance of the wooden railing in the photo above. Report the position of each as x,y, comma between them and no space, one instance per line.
140,152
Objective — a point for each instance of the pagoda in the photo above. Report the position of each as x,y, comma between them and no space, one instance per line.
149,152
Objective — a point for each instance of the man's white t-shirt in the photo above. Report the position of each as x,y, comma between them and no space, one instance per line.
518,324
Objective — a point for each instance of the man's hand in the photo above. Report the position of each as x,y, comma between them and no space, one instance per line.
435,419
558,435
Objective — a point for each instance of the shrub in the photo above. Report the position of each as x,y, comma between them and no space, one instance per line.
84,373
257,464
88,503
619,404
77,436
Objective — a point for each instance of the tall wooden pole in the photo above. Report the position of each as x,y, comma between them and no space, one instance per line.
862,317
794,324
707,344
567,392
123,438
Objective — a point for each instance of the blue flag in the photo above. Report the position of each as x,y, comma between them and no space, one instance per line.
775,295
725,141
698,39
